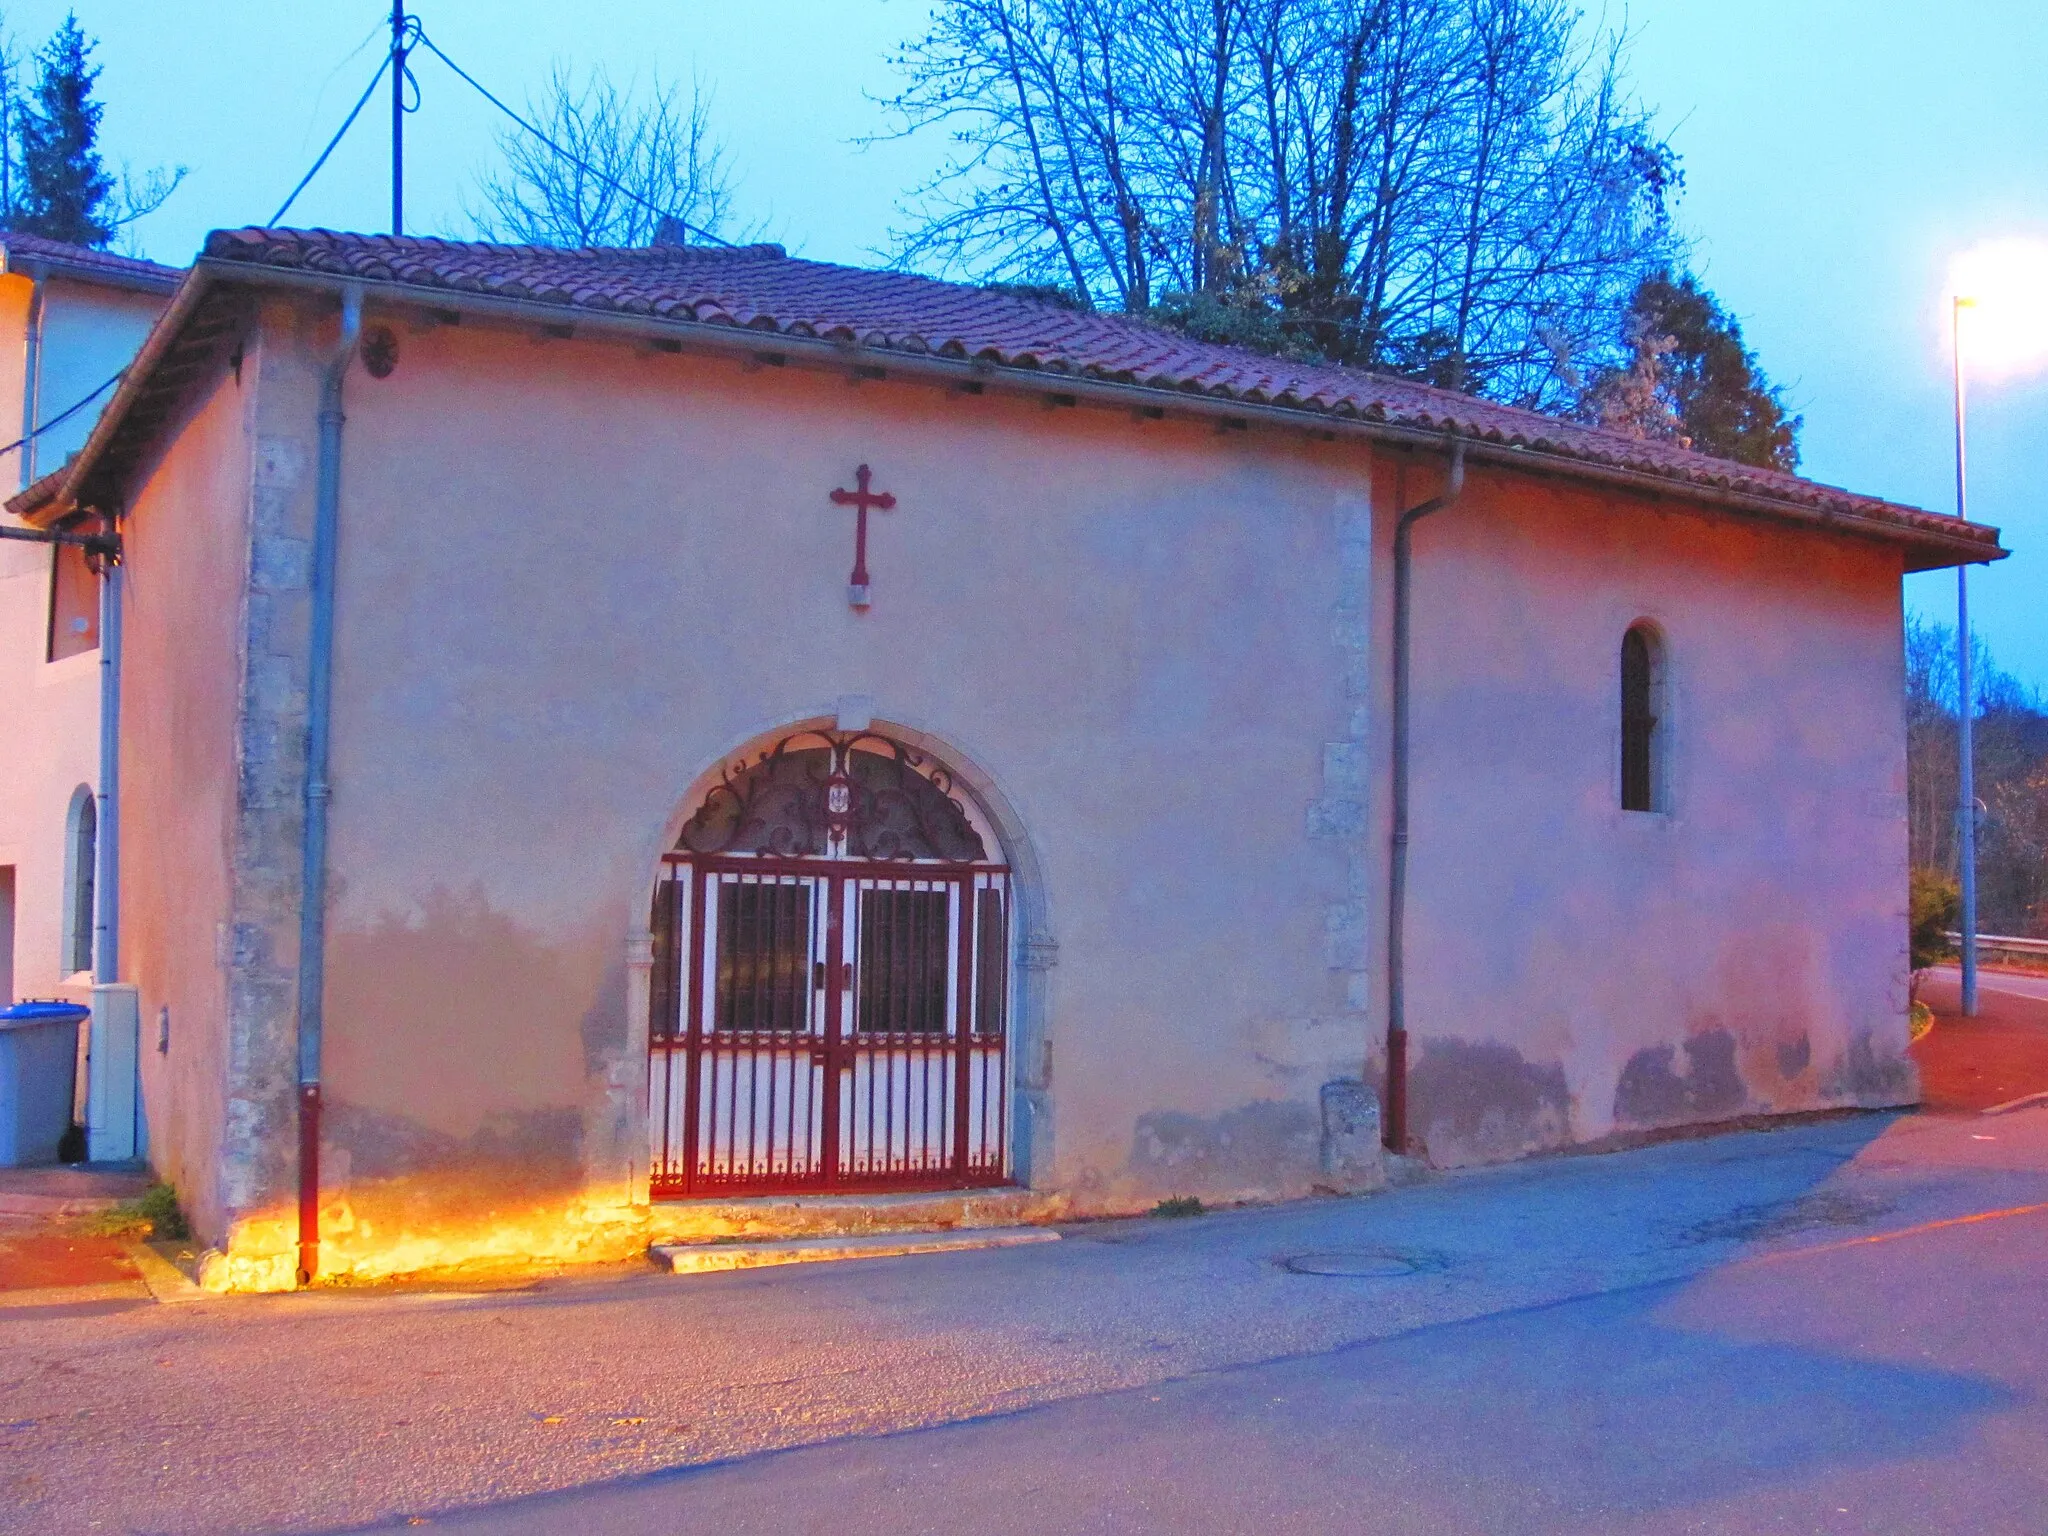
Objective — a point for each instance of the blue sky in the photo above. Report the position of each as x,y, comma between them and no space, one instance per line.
1838,154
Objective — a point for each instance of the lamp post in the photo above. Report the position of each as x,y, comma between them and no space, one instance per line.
1966,775
2003,287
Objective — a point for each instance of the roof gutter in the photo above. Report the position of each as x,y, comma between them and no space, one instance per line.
32,374
1951,546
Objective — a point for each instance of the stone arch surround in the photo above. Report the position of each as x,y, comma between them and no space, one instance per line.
1035,950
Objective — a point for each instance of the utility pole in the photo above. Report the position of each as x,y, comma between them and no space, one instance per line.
398,117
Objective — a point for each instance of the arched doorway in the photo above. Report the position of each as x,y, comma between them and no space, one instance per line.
831,979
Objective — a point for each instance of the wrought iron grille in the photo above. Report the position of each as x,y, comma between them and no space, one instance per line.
904,958
831,950
764,957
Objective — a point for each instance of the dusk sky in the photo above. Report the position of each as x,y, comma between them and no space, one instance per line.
1838,155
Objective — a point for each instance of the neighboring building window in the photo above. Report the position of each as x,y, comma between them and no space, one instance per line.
74,604
1641,690
81,857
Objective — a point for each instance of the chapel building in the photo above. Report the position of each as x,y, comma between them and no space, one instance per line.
626,744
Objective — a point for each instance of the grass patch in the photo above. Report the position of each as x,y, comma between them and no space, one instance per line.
1178,1205
154,1213
1919,1020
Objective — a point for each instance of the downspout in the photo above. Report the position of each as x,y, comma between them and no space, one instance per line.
32,378
106,940
313,861
1397,863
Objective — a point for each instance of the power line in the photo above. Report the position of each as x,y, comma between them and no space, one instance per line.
64,415
409,34
348,123
429,44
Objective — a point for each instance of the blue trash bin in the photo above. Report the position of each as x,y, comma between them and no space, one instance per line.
38,1060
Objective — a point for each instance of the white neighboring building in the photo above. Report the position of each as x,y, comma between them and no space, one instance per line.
70,320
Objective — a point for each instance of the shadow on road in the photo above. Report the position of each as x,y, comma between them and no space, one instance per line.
1549,1418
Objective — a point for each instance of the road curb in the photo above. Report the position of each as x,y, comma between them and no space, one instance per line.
167,1283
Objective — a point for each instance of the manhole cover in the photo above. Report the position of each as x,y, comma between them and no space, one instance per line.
1368,1263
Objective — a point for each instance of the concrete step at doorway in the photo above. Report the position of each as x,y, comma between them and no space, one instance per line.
709,1258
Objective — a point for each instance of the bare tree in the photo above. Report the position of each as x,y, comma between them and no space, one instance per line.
1931,743
619,166
1459,189
2011,730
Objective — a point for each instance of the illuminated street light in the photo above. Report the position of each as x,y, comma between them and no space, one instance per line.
2002,288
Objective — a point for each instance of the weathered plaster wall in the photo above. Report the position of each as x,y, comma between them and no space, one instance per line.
187,546
49,749
570,588
1576,970
576,575
49,711
90,331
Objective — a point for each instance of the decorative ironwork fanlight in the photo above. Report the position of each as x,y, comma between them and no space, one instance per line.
835,794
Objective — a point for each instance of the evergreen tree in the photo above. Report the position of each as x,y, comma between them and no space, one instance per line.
66,194
1690,379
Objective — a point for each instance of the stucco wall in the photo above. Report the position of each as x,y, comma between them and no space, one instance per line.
1577,970
186,545
49,711
89,332
49,749
575,576
49,745
570,588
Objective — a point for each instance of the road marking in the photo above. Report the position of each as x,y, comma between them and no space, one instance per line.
2012,1104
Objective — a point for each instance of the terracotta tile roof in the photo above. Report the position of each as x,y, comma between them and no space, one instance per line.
22,248
759,288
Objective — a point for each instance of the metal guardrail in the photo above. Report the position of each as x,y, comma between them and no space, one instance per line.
1994,943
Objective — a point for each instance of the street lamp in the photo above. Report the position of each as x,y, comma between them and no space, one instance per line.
2004,287
1966,749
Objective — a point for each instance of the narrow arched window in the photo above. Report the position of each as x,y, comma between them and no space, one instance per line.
81,856
1640,790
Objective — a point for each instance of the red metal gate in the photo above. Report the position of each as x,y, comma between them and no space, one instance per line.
825,1021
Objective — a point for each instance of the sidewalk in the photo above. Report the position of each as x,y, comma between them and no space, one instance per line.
1970,1065
49,1254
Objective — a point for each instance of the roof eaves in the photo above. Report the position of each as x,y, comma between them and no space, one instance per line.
51,258
38,495
136,383
1946,541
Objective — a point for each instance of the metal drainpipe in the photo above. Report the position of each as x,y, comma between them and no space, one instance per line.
32,379
1397,867
106,948
313,862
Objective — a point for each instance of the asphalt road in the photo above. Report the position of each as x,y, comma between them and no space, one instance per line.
1830,1328
2013,983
